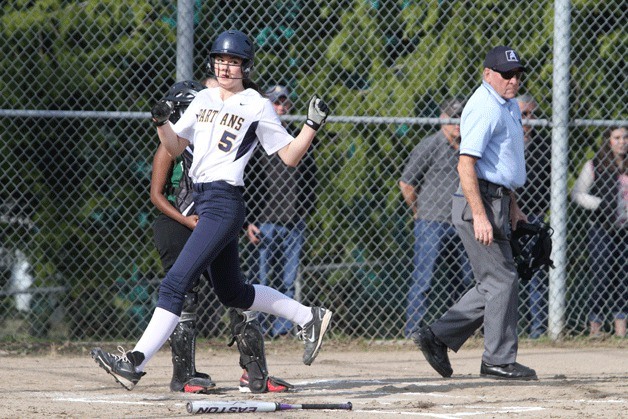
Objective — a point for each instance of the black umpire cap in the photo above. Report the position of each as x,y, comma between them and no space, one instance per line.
503,59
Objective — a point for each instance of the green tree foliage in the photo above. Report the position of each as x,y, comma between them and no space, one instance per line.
389,58
89,177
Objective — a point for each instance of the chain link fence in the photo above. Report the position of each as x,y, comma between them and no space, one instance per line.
77,256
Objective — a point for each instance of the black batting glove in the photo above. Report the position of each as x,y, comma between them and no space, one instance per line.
161,112
317,113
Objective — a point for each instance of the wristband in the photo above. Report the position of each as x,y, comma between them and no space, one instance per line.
312,124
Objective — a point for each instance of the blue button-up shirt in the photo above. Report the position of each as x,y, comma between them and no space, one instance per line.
491,130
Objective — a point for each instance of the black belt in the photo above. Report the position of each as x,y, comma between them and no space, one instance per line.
217,185
493,188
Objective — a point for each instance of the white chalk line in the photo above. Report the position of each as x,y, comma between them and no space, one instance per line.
505,410
395,412
374,382
469,410
116,399
90,400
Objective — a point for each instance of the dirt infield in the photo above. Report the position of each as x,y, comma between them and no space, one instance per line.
380,379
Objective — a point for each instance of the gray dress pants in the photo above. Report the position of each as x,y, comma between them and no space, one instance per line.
494,298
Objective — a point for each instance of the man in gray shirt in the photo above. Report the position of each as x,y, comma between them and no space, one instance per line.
427,184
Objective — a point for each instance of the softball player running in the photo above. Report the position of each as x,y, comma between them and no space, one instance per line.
171,192
223,125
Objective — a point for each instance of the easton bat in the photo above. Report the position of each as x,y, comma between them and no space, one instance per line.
204,406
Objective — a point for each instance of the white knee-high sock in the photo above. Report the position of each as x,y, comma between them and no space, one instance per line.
161,326
269,300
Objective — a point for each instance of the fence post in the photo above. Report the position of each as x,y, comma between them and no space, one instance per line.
185,39
560,152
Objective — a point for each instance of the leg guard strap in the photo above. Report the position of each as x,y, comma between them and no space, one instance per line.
247,333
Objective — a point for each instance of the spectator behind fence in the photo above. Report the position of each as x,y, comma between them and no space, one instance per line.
427,184
534,200
224,125
602,189
484,211
280,198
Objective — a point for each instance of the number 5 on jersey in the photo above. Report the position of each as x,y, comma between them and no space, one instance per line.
226,142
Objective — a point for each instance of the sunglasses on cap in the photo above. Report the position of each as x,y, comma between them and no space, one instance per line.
507,75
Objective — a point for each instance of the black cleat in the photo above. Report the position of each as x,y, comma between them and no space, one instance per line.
122,367
313,332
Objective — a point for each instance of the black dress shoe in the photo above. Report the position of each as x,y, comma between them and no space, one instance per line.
435,351
514,371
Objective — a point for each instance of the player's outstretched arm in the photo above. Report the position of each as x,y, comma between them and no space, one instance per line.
317,113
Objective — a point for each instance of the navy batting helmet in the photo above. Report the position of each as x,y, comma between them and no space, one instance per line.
181,95
234,43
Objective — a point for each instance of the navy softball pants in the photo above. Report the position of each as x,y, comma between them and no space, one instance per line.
212,246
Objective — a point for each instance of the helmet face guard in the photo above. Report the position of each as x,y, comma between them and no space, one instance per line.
234,43
181,95
177,113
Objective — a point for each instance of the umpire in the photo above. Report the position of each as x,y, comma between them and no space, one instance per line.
491,167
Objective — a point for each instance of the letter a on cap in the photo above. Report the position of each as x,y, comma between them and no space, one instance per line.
511,55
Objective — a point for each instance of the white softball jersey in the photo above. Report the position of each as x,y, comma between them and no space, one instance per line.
224,133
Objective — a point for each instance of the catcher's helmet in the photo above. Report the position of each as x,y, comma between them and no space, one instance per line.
234,43
181,95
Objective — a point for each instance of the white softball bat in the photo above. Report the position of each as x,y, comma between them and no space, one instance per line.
205,406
